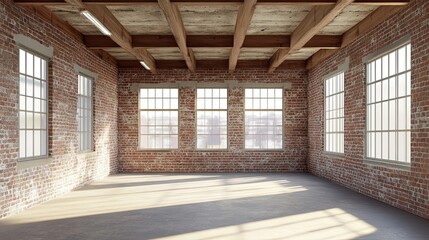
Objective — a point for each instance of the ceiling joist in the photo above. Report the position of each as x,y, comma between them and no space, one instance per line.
119,34
174,19
214,41
316,19
214,64
217,2
373,20
244,17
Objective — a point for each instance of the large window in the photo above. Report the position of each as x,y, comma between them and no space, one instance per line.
263,118
388,127
84,113
212,114
159,118
334,114
33,102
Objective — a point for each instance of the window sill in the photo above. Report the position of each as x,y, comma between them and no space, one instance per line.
388,164
333,155
264,150
31,163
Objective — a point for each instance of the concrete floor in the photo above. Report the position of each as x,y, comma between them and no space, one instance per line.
214,206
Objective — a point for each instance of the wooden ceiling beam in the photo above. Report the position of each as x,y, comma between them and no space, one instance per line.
172,14
373,20
214,41
214,64
217,2
244,17
119,34
316,19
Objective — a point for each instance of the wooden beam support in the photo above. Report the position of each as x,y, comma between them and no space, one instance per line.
244,18
172,14
316,19
214,64
119,34
217,2
214,41
374,19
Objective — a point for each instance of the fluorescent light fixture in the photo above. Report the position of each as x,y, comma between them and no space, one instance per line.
144,65
96,23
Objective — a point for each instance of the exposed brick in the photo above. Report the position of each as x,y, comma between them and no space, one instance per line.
187,159
407,190
22,189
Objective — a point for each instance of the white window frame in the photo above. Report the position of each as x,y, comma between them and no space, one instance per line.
158,110
372,99
335,115
44,142
259,110
81,100
204,109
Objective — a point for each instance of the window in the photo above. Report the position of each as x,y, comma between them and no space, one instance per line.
159,118
33,102
212,121
84,113
388,126
334,114
263,118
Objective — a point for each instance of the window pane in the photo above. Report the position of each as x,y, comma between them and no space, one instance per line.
158,124
334,117
211,122
392,116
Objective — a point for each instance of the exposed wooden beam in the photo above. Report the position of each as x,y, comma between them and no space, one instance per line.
119,34
214,41
318,57
105,56
244,18
316,19
174,19
374,19
217,2
46,14
214,64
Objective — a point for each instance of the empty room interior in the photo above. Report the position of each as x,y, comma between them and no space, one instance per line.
214,119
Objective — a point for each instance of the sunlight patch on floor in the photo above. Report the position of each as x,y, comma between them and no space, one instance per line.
145,193
327,224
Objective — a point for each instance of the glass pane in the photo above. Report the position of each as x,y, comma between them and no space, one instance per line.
29,143
29,64
22,144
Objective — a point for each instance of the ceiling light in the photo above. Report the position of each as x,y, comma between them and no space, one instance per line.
96,22
144,65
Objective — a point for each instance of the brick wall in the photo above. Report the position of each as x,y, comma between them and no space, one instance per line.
187,159
407,190
20,189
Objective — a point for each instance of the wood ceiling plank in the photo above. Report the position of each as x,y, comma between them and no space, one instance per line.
217,2
244,18
174,19
380,15
319,17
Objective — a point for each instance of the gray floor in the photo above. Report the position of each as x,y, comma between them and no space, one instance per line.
214,206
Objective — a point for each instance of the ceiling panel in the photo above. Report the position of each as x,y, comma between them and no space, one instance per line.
302,54
72,16
141,19
349,17
276,19
256,53
119,53
166,53
211,53
209,19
